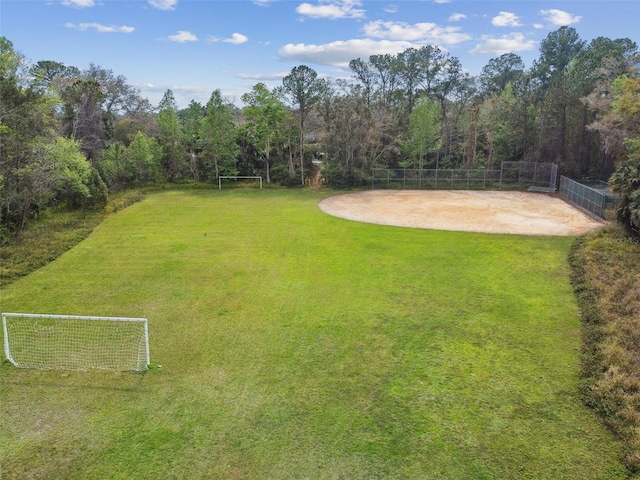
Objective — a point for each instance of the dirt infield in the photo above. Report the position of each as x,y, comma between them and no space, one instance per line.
520,213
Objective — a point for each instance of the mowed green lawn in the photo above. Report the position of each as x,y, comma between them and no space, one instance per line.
295,345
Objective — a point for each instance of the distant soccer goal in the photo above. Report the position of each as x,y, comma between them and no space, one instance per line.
70,342
236,178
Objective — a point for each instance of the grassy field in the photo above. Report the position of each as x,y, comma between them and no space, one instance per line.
297,345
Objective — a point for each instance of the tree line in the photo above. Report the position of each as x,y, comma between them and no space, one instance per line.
70,136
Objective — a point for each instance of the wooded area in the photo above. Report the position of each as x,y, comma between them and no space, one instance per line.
70,136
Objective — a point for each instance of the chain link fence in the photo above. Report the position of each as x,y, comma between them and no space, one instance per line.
596,198
511,176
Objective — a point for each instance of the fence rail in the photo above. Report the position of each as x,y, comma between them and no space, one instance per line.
512,175
435,179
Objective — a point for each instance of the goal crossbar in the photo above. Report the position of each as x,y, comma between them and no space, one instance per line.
76,342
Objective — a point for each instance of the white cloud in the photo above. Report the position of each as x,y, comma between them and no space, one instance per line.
506,19
418,32
332,9
236,39
183,36
78,3
183,94
163,4
100,28
559,18
514,42
456,17
175,88
391,8
340,53
441,1
263,76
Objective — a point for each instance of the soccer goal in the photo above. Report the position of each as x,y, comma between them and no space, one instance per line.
71,342
226,177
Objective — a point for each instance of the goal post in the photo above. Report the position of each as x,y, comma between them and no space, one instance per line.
72,342
230,177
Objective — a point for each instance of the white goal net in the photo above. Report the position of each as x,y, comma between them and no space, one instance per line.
69,342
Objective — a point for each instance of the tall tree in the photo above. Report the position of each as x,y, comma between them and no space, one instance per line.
420,71
27,131
143,160
218,133
454,90
386,68
411,71
112,164
557,51
170,137
500,71
558,93
10,60
424,131
302,89
191,122
605,58
265,115
504,126
626,103
71,171
605,121
83,115
436,66
355,137
53,76
590,76
139,118
119,96
365,75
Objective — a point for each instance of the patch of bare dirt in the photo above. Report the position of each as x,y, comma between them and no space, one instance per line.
521,213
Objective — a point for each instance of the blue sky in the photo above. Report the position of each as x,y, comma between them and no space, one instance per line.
196,46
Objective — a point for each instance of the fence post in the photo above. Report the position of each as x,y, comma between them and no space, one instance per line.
554,176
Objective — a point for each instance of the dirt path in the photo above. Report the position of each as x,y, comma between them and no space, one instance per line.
521,213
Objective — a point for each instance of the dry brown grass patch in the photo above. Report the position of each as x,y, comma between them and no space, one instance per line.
606,277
